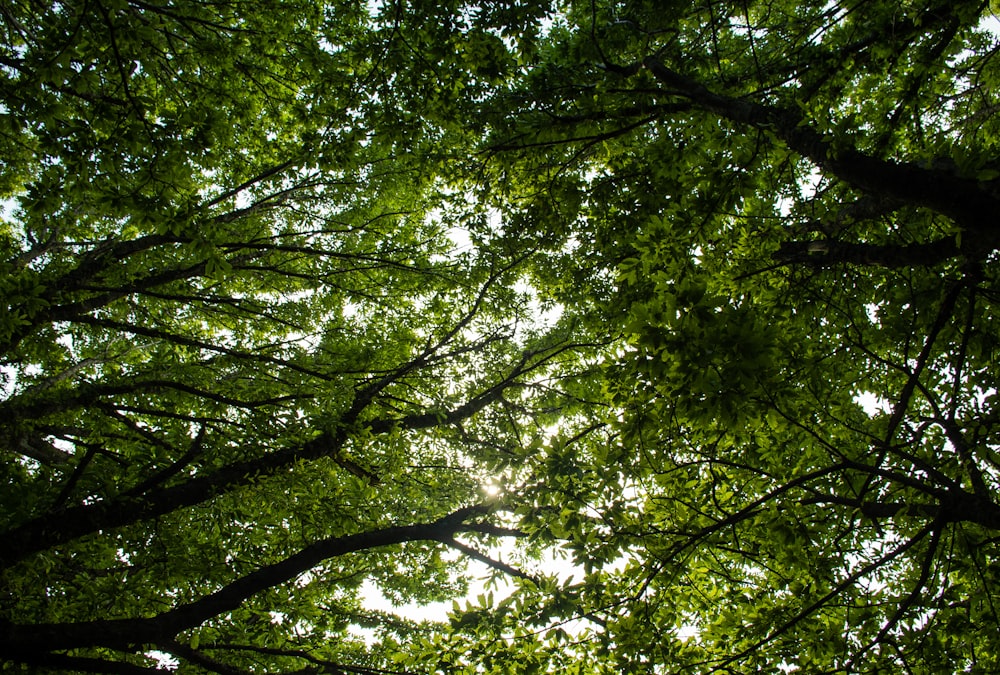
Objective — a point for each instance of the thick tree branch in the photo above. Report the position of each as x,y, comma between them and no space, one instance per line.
56,528
59,527
83,664
27,642
960,199
829,252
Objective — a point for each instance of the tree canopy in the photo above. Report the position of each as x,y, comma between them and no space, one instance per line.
708,290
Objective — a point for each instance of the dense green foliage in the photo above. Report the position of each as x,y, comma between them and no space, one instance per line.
711,290
241,353
798,206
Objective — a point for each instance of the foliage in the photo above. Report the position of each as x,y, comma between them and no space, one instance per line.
245,366
787,210
276,276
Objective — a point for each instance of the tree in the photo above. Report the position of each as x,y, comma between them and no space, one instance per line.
248,366
245,366
788,210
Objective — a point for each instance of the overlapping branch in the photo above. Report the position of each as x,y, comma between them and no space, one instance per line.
34,643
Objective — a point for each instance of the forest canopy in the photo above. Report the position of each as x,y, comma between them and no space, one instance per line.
305,298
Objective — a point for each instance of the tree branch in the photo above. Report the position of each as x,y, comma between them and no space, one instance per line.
960,199
833,593
829,252
329,666
498,565
52,529
27,643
